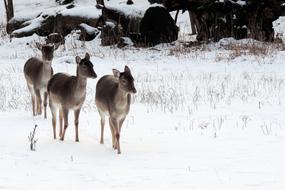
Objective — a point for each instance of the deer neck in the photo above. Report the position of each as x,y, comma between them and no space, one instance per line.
81,83
121,95
46,65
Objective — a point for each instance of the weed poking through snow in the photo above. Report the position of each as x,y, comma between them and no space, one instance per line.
32,139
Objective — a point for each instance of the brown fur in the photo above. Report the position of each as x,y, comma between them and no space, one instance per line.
68,93
113,98
37,74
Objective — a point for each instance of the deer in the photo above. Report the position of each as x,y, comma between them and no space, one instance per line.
37,72
68,93
113,99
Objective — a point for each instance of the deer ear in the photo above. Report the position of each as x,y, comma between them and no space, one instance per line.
77,59
87,56
116,73
127,69
39,46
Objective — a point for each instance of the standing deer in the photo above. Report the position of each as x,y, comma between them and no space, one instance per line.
37,73
68,93
113,99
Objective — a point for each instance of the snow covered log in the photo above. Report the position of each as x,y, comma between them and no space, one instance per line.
128,22
64,2
152,27
143,23
58,21
216,19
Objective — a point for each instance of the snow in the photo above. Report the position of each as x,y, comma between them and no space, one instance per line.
89,29
111,24
135,10
28,11
240,2
31,25
279,27
207,117
83,11
36,20
128,41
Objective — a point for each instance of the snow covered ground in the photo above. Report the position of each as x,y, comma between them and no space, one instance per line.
207,117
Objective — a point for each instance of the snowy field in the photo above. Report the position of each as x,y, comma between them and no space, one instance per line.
206,117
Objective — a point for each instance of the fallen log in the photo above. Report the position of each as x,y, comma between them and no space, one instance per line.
62,22
231,18
148,29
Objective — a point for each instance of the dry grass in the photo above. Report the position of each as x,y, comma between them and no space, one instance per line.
253,48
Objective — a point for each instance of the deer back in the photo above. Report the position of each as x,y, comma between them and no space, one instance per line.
37,72
70,91
62,90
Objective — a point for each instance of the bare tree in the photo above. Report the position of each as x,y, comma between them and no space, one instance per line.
9,9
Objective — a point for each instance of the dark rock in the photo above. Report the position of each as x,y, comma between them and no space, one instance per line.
157,26
155,1
130,2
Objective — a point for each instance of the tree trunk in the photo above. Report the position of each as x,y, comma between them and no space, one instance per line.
213,20
193,22
9,9
176,16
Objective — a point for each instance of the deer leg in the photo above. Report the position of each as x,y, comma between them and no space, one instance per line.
53,113
76,121
31,89
65,118
39,102
120,124
45,104
60,122
115,126
33,105
102,129
112,132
